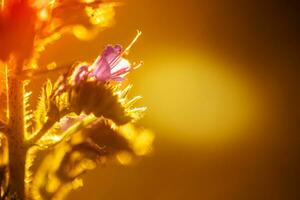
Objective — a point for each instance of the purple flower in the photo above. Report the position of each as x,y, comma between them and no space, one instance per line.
110,65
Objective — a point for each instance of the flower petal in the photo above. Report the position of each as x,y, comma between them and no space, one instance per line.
102,70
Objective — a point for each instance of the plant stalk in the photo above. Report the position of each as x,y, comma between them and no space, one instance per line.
17,149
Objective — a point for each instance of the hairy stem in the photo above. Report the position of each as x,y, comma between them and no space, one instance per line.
17,150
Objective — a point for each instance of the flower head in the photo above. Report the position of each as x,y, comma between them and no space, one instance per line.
81,89
109,66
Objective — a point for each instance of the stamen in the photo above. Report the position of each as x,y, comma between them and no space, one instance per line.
126,51
136,66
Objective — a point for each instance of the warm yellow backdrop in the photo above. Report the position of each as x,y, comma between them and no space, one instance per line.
219,80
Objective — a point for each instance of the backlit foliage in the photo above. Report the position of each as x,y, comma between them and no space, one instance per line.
79,121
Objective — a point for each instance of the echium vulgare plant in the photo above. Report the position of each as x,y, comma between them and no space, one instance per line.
79,121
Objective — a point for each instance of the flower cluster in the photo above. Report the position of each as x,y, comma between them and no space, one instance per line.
85,119
91,88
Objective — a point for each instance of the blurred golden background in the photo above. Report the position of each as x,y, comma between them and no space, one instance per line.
221,83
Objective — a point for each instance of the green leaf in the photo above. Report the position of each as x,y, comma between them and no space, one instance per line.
28,114
63,129
94,141
40,114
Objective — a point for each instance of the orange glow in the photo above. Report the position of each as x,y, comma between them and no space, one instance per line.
2,3
43,14
103,15
220,80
